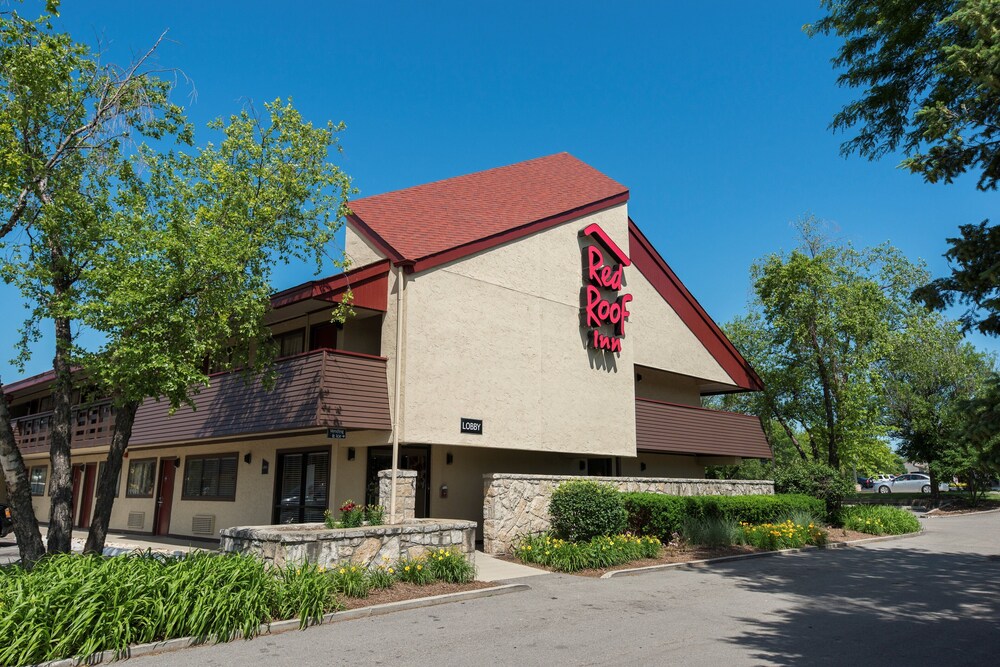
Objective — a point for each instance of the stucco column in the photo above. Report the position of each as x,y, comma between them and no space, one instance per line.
406,494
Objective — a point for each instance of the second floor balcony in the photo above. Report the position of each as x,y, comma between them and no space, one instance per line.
323,388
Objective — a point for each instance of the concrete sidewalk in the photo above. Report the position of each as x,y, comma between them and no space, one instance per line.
489,568
122,543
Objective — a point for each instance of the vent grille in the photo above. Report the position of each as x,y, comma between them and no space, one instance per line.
203,524
136,520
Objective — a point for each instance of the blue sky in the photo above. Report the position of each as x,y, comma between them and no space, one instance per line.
714,115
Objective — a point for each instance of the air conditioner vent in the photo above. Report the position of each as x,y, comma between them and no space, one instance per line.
136,520
203,524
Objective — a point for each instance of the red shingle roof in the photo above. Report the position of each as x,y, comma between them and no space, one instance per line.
418,222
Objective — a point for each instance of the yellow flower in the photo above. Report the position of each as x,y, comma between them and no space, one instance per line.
343,571
407,568
392,571
420,567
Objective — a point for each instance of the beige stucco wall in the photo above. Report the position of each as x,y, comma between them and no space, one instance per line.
661,339
497,336
357,248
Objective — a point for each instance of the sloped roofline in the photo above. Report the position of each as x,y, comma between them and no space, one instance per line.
485,243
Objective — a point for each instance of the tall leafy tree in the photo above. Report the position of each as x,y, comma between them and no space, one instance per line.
932,376
167,255
927,72
63,119
184,274
820,329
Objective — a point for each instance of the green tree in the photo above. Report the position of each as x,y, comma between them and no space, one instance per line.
932,376
167,255
974,281
928,75
63,119
820,328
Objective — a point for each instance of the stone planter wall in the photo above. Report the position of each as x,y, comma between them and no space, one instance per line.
515,505
315,543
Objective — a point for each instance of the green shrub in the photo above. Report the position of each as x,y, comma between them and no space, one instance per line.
879,520
748,469
599,552
583,509
663,515
711,531
816,479
450,566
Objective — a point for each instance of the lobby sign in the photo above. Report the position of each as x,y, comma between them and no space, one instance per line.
474,426
603,272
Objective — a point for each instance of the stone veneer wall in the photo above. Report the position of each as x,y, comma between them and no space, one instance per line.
515,505
406,494
315,543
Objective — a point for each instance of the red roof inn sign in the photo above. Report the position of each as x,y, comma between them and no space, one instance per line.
602,277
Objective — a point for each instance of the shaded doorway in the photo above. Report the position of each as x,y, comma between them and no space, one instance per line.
410,458
302,486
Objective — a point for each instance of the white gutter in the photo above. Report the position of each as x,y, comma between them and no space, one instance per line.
400,286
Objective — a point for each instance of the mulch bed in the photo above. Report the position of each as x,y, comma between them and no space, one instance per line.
679,553
403,591
963,508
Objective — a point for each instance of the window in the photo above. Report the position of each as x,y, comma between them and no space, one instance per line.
100,471
141,475
210,477
37,480
293,342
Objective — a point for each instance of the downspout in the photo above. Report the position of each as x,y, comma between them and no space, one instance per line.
400,286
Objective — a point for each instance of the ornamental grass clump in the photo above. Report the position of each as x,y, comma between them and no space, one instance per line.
450,566
600,552
72,605
713,531
879,520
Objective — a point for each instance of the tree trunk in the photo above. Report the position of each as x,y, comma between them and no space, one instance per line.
60,533
29,537
108,481
831,420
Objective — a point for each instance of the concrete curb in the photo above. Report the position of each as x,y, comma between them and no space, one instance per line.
929,514
705,562
179,643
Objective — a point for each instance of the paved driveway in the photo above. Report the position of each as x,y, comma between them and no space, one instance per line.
933,599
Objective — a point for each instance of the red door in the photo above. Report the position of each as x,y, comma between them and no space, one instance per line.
87,495
165,496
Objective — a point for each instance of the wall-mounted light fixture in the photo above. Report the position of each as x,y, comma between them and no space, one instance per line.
583,464
449,459
638,377
177,463
642,466
264,465
350,453
246,457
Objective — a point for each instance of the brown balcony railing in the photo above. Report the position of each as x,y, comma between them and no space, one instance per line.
91,426
312,390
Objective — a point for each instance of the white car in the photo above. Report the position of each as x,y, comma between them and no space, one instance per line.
913,482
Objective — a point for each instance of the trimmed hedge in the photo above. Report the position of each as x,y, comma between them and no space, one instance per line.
662,515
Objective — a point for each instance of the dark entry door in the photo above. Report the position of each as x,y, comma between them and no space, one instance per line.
77,478
165,496
303,486
87,494
410,458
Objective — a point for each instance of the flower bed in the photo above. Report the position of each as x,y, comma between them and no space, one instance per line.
599,552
